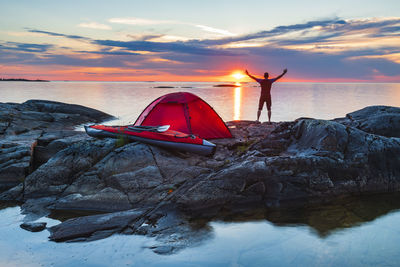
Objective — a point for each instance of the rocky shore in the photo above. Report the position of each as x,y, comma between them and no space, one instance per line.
47,166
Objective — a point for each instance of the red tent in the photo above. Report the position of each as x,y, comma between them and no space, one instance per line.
187,113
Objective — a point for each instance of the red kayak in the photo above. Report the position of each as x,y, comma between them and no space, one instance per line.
155,135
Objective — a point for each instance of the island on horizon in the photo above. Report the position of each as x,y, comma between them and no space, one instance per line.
21,80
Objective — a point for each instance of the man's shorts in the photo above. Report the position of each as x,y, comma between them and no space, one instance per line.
267,100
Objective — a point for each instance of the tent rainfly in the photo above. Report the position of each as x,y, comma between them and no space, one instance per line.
187,113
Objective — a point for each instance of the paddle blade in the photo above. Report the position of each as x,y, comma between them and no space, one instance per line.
163,128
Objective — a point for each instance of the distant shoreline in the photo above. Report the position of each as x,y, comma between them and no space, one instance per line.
21,80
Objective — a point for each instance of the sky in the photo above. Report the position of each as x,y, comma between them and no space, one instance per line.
176,40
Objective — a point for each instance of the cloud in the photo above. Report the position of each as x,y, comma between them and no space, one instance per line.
320,39
26,47
140,21
215,30
15,57
67,60
391,30
145,37
110,53
322,49
277,31
170,47
362,24
314,32
59,34
94,25
310,65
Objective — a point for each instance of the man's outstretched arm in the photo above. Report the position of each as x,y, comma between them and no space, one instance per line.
280,76
251,76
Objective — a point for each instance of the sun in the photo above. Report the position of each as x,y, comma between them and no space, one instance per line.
238,75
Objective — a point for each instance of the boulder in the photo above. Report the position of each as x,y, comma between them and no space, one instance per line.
46,106
14,164
60,171
90,227
32,132
380,120
34,226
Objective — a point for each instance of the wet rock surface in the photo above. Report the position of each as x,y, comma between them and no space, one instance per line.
148,190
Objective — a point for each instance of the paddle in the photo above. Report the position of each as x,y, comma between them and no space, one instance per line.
159,129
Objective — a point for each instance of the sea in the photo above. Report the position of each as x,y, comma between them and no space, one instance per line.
363,231
126,100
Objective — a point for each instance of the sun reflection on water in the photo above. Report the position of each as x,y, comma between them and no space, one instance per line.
237,102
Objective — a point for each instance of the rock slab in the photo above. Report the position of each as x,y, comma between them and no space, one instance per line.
282,165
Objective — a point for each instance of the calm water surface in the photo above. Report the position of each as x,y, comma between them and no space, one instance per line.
357,232
354,232
126,100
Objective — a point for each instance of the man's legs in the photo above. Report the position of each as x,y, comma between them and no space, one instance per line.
260,106
269,104
258,114
269,115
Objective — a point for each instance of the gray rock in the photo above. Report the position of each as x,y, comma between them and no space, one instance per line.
319,135
50,143
85,227
380,120
34,209
34,226
58,107
106,200
24,129
60,171
14,164
13,194
287,164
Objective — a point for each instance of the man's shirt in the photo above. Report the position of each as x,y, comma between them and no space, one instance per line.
266,85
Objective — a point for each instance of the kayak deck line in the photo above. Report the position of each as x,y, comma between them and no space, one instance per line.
168,139
159,129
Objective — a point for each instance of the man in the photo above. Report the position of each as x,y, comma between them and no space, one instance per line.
265,92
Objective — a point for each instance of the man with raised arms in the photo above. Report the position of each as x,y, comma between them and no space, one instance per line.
265,96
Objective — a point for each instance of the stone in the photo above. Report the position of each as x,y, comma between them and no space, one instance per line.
88,225
380,120
63,108
23,129
61,170
34,226
106,200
